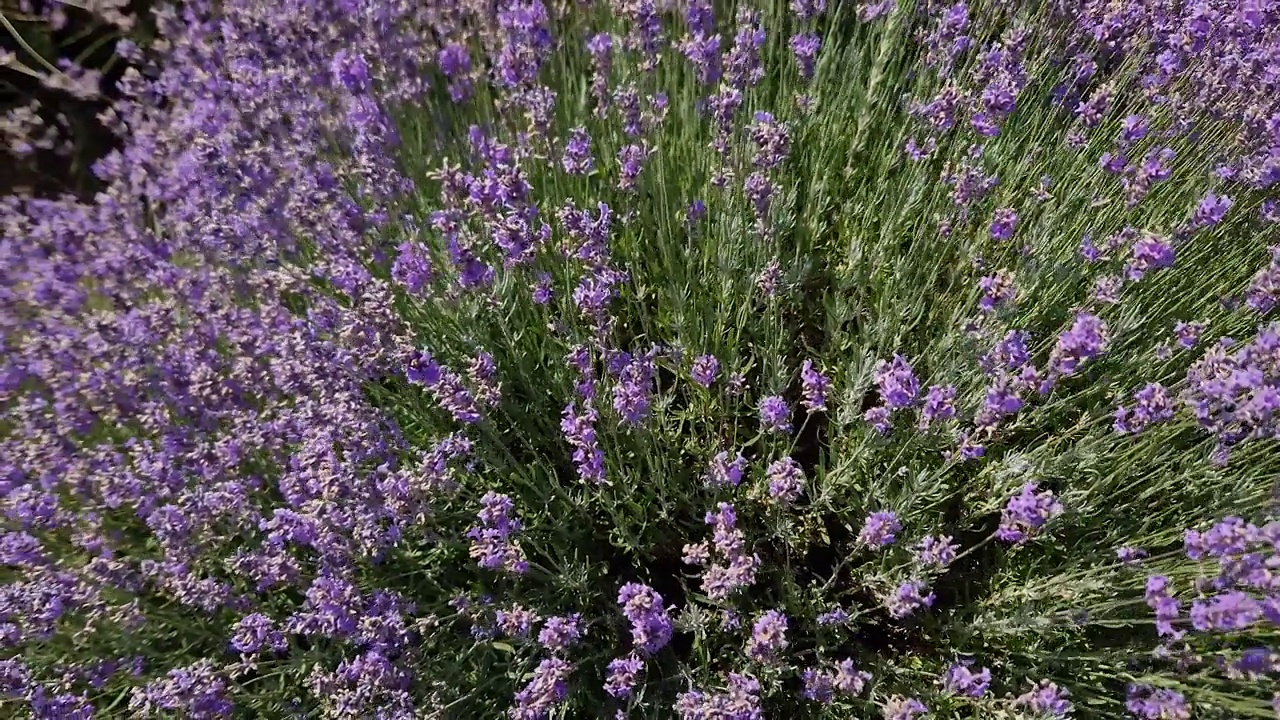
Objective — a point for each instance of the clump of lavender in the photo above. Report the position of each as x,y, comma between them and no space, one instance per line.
561,632
741,700
961,680
222,435
880,529
1046,699
768,636
622,674
650,626
728,565
786,480
821,685
903,708
705,369
492,542
814,386
546,690
1027,512
775,415
909,597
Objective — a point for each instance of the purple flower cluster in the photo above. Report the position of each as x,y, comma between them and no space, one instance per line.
705,369
814,387
775,414
880,529
1236,396
1046,699
959,679
903,708
740,701
1026,513
1153,404
936,552
786,480
544,691
907,598
492,543
650,626
622,674
1086,339
446,387
1148,703
768,636
735,569
844,677
723,472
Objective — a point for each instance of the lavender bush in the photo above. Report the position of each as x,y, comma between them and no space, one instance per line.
656,359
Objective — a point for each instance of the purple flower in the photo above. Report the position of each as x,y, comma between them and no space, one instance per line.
907,598
631,393
1133,128
561,632
897,382
350,71
880,529
579,430
1167,607
849,679
1188,334
1027,512
445,386
1264,290
622,674
903,708
1211,210
786,479
771,140
939,405
1045,699
1228,612
835,616
997,290
1084,340
577,158
254,632
1148,703
878,418
741,701
542,289
195,691
631,160
516,621
1237,396
1130,556
491,543
725,473
736,569
705,369
412,267
805,48
1152,405
543,692
650,626
767,280
1150,252
819,685
1003,223
775,414
813,387
768,636
960,680
936,552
